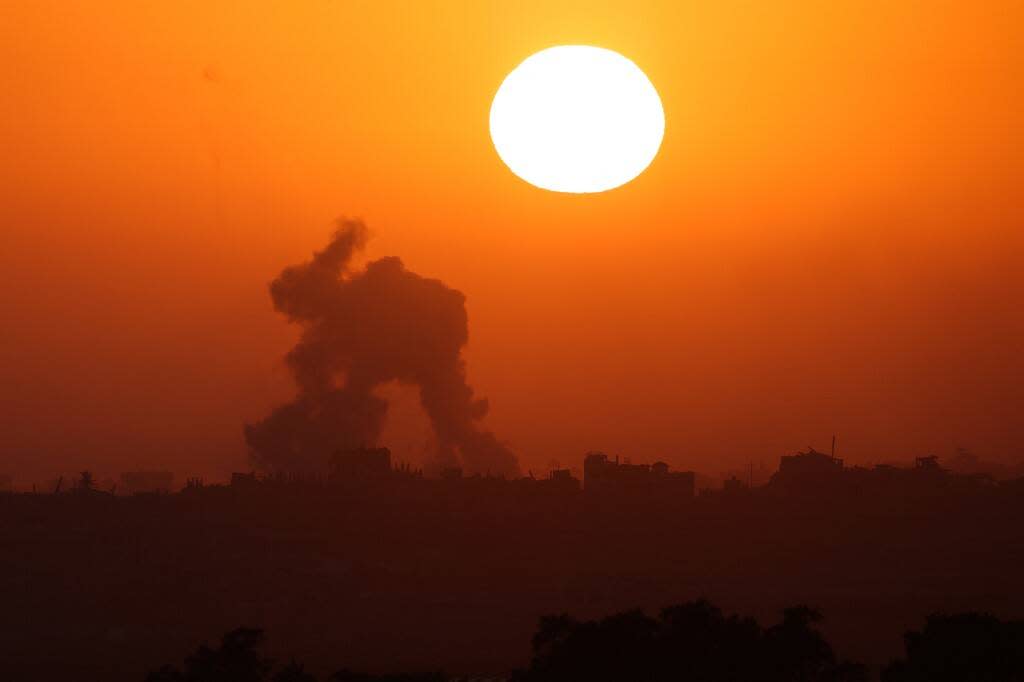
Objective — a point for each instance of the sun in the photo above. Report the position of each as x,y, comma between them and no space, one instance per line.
576,118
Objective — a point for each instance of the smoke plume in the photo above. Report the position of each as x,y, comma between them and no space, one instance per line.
362,329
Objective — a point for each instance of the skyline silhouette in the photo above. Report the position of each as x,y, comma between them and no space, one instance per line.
459,567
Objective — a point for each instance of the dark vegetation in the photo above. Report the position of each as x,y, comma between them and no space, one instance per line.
240,658
691,641
968,646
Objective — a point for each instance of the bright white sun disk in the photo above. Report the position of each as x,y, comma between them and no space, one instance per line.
576,118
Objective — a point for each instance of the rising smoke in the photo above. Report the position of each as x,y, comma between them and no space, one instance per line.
362,329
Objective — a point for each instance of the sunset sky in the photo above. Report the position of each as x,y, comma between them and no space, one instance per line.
830,240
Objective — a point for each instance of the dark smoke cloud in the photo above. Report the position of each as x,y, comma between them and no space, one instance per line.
362,329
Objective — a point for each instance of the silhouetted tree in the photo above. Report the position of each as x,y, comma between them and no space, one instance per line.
238,659
293,672
692,641
166,673
969,646
699,642
349,676
794,650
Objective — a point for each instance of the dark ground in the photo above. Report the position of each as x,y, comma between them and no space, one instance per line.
430,574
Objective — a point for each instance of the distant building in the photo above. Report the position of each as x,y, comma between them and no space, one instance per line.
807,471
360,464
135,482
734,485
561,475
810,462
562,480
603,476
673,483
6,483
243,479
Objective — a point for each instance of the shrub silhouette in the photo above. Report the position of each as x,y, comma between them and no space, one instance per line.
969,646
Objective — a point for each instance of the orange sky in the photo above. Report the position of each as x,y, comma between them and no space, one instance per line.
830,240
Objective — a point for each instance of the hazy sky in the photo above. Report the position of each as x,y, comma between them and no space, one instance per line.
830,240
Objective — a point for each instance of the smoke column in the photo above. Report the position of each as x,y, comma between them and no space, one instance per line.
362,329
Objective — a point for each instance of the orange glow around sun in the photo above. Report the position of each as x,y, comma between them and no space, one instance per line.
829,233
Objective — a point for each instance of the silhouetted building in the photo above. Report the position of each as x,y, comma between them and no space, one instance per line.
360,464
6,483
674,483
562,480
602,476
734,486
815,475
135,482
810,472
810,462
